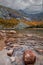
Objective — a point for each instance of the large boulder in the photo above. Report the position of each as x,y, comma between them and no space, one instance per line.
29,57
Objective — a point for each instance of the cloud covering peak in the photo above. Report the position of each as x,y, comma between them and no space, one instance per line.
32,5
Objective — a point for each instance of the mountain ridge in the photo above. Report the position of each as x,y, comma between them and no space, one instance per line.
6,12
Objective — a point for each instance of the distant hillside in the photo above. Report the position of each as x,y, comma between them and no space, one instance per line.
37,16
8,13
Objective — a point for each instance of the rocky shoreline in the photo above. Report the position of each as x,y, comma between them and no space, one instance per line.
13,44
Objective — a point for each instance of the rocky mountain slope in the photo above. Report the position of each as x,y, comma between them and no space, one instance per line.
10,17
8,13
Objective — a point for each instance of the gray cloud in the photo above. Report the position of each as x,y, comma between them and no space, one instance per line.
16,4
32,5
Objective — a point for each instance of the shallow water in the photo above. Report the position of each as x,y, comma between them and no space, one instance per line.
32,41
38,31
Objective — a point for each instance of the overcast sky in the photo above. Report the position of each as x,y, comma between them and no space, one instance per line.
32,5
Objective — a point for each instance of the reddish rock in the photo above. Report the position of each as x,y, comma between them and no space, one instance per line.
10,40
29,57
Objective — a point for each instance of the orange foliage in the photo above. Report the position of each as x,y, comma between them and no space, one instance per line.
32,23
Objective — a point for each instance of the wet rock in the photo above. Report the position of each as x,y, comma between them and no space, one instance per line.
39,50
8,48
13,32
10,52
3,31
29,57
12,59
3,34
10,44
10,40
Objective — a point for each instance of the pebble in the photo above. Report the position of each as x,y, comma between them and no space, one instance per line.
10,44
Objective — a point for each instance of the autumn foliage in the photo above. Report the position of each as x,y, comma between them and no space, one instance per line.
10,23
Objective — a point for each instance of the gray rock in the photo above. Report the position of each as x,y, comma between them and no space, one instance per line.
10,52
